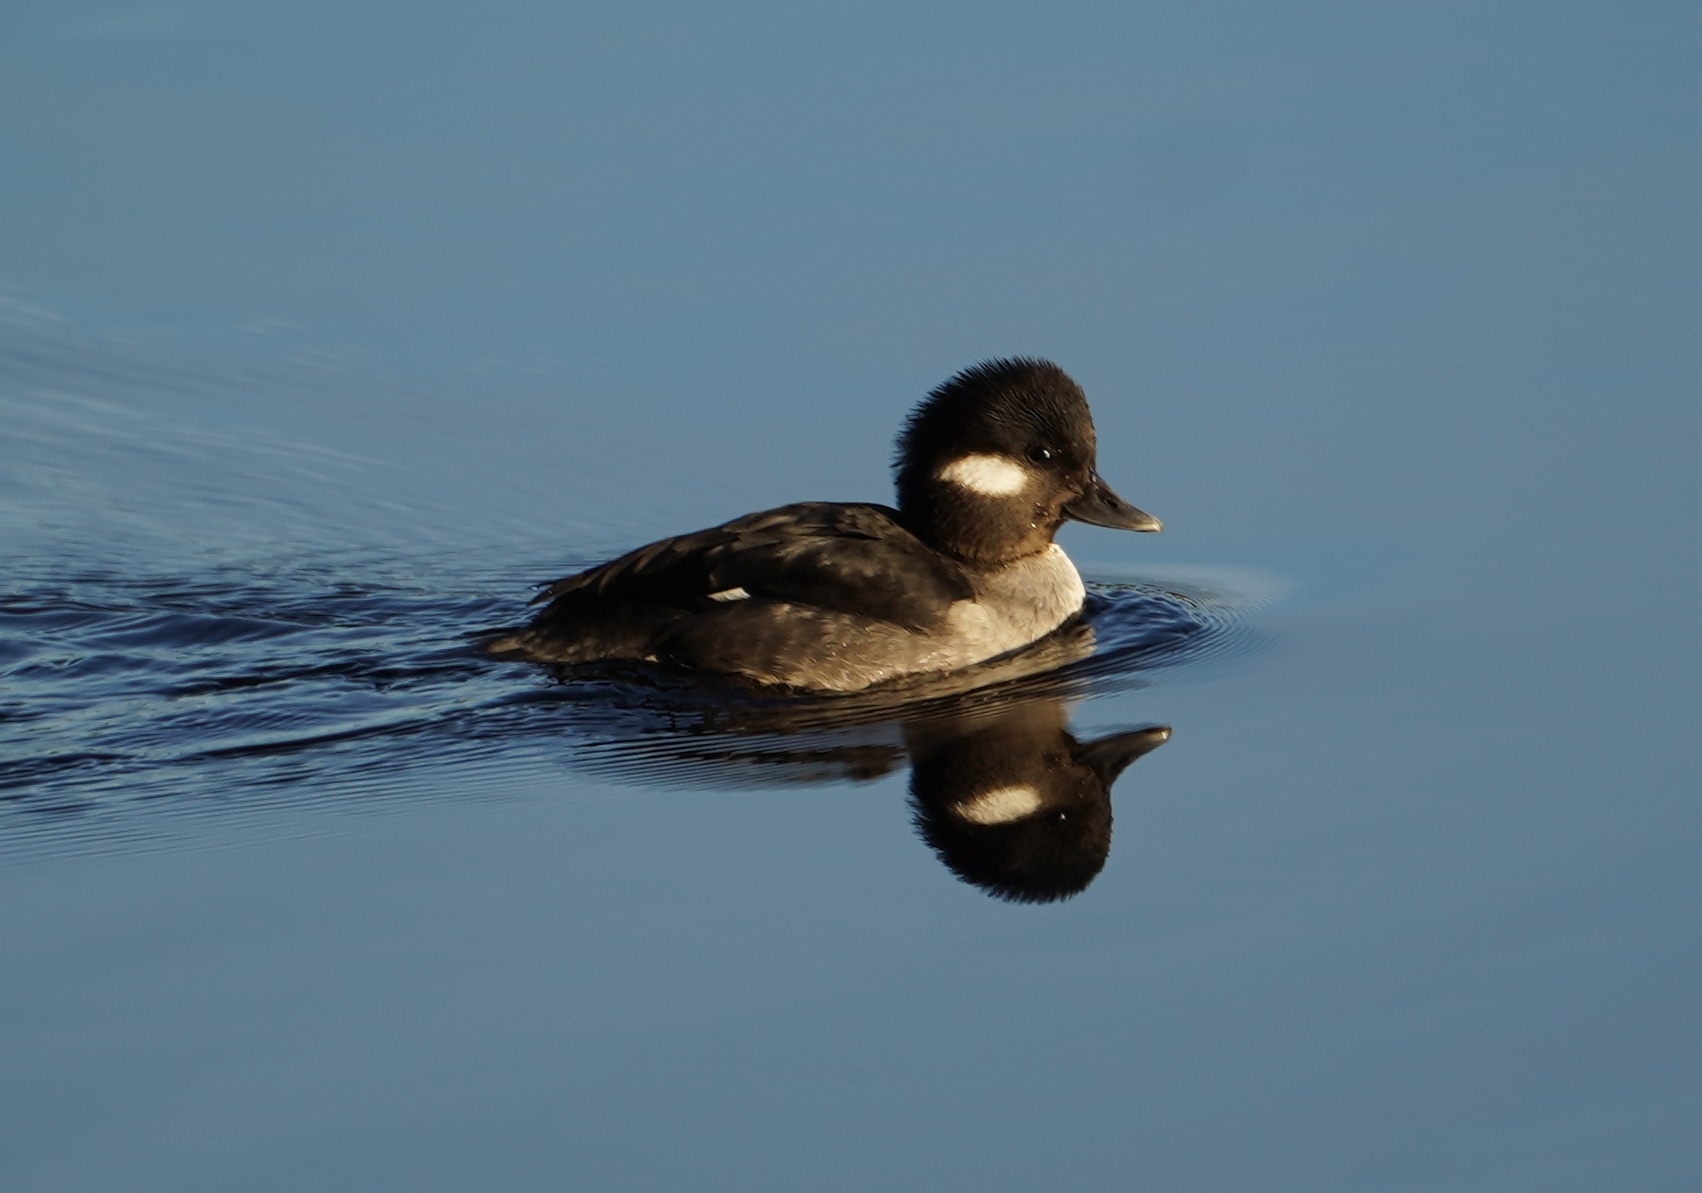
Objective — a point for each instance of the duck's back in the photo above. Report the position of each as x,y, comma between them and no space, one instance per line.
815,595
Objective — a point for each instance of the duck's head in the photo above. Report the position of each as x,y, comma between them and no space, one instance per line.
996,459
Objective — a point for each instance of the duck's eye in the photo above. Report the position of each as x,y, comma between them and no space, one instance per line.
1040,455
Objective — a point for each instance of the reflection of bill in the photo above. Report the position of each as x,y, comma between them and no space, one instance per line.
1013,804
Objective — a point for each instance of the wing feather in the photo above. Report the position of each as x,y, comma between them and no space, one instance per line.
850,558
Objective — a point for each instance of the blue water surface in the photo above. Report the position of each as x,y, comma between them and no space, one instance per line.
326,333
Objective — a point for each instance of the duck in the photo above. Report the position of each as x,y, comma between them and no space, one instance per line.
831,597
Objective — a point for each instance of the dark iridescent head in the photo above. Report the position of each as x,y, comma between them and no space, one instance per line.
996,459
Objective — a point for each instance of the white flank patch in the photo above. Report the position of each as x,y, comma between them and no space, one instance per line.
1000,805
989,475
730,594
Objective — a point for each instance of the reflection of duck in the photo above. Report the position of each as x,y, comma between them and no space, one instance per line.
827,597
1015,805
1006,797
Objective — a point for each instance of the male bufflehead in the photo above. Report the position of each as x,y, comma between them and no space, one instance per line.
826,597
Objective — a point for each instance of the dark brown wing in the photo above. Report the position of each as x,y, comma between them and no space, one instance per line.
850,558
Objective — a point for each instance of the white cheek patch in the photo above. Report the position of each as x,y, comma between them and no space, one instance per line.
730,594
1000,805
986,474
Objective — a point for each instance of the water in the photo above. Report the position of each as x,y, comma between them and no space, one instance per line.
135,698
325,336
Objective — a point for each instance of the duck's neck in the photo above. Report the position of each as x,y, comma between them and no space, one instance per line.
987,532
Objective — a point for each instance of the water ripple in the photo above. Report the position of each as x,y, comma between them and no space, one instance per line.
338,678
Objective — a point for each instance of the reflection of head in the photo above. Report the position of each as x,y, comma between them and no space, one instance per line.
1017,806
1007,799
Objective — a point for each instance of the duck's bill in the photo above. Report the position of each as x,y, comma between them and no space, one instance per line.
1102,507
1110,756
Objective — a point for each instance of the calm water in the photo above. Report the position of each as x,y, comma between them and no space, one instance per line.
324,337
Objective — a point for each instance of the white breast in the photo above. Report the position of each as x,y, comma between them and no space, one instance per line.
1016,605
1012,607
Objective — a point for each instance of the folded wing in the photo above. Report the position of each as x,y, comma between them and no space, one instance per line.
853,559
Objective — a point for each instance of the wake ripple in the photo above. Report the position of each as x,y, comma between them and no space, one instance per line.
126,700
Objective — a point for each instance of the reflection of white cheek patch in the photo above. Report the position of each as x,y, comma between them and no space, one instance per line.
730,594
1000,806
989,475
